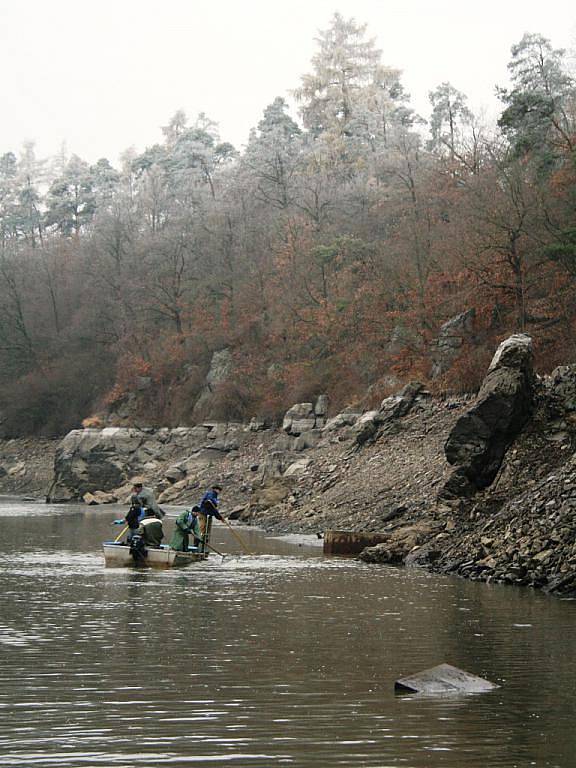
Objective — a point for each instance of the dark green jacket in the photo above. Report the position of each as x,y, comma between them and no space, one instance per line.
186,523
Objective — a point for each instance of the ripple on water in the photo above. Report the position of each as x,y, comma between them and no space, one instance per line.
267,660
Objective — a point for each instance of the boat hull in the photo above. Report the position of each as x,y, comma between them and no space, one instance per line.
118,556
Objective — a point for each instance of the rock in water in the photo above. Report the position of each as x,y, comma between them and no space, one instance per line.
443,679
479,439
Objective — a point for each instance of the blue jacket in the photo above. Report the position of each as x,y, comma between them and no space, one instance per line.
209,504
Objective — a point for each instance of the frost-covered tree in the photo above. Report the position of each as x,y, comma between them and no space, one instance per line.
29,177
350,95
71,202
449,120
272,153
537,114
8,199
345,64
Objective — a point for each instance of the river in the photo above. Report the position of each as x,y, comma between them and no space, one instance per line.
279,658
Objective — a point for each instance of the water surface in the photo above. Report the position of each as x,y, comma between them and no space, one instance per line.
282,658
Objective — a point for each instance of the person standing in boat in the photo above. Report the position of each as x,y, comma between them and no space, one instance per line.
147,499
209,509
186,524
151,530
133,518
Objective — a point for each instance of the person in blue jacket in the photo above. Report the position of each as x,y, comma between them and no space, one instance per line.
209,508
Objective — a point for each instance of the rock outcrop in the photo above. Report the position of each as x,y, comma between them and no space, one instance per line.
451,338
305,417
394,407
221,367
400,542
102,460
520,530
478,441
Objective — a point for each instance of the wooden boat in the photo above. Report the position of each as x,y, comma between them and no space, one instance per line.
117,555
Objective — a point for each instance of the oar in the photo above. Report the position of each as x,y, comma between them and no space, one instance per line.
122,532
237,536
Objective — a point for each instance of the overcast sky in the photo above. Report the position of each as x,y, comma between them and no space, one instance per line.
105,75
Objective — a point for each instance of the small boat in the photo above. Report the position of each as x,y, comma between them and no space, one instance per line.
118,555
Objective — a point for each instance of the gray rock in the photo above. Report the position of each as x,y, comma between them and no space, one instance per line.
562,386
258,424
94,459
299,426
174,492
479,439
398,405
307,440
399,543
282,442
451,338
17,470
321,406
99,497
345,419
367,426
402,337
221,368
301,411
275,462
298,467
175,473
298,413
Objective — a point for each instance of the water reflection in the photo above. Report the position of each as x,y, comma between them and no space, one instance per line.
278,659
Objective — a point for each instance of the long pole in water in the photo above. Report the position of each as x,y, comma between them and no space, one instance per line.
214,550
244,547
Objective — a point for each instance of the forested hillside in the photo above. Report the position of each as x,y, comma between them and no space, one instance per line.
325,256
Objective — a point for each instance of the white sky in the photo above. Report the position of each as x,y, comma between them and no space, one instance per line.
105,75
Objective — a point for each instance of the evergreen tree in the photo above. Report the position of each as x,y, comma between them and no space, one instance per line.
536,118
71,201
450,117
272,153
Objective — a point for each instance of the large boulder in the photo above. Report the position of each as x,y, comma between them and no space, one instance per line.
479,439
89,460
298,413
369,425
220,371
307,440
341,420
304,417
398,405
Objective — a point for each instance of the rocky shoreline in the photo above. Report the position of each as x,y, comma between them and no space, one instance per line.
503,510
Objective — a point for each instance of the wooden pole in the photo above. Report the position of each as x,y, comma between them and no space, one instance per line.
237,536
122,532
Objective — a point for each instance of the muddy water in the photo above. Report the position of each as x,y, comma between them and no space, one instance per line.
282,658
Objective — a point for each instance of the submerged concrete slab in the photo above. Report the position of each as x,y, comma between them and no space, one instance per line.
443,679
